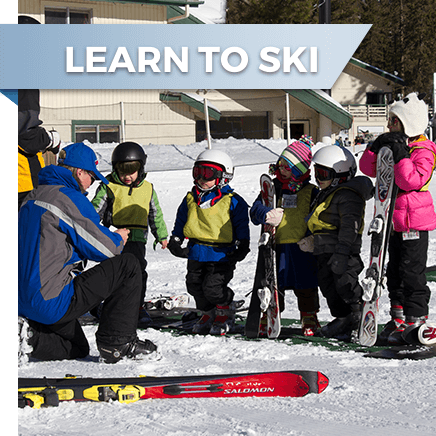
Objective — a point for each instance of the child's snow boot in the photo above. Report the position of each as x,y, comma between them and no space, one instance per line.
224,320
309,323
404,330
397,315
337,327
344,328
203,325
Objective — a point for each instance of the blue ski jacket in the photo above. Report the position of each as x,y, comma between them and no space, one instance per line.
58,231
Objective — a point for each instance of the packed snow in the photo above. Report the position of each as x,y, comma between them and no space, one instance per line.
365,396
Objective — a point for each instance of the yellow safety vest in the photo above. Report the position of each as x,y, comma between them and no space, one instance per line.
131,205
293,226
209,225
316,225
423,138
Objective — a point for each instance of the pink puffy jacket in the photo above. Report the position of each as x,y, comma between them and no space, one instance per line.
414,209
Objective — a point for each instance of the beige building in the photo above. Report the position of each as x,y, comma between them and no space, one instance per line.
179,116
108,11
365,91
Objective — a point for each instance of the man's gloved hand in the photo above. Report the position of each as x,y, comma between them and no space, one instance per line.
55,141
242,249
175,247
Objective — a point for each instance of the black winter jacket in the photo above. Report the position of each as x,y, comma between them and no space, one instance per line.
346,213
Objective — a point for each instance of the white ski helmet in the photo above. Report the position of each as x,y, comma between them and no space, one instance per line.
222,160
338,159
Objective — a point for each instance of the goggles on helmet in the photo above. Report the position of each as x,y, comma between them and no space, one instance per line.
323,173
206,172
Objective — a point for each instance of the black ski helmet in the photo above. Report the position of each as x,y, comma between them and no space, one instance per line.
25,19
128,152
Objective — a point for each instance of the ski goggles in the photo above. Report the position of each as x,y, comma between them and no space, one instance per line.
206,172
323,174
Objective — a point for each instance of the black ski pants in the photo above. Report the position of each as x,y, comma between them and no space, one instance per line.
340,291
407,283
138,250
117,282
207,283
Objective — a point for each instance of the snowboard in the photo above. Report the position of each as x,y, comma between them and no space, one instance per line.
40,392
379,230
264,301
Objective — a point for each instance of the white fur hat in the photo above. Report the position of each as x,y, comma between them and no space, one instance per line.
412,112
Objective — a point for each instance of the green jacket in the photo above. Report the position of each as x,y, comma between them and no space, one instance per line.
135,208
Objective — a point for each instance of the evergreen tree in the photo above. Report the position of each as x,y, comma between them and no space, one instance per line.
401,41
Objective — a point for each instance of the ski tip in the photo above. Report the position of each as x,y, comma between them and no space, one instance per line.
427,333
323,382
316,381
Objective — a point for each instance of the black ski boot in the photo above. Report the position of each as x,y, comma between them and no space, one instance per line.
134,349
337,327
344,328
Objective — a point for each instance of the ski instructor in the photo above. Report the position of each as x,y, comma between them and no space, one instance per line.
58,231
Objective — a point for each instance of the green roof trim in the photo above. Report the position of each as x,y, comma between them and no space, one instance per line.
195,104
377,71
323,105
175,11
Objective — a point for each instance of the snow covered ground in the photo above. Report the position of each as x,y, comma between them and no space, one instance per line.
365,396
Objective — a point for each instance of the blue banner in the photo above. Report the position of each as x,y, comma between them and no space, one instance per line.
157,56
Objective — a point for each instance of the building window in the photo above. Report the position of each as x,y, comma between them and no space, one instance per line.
67,16
378,98
249,127
96,133
297,130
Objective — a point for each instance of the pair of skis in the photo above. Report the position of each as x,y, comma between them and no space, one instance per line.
264,310
44,392
379,229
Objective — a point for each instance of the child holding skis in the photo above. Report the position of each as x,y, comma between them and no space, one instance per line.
129,201
215,221
296,269
414,215
337,221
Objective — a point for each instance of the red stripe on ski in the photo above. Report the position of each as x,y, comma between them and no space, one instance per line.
280,384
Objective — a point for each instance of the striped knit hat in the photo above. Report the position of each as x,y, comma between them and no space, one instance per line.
298,155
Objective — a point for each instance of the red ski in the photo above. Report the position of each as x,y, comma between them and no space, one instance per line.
37,392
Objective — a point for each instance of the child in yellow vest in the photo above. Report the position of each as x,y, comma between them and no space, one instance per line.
296,269
129,201
336,222
214,219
